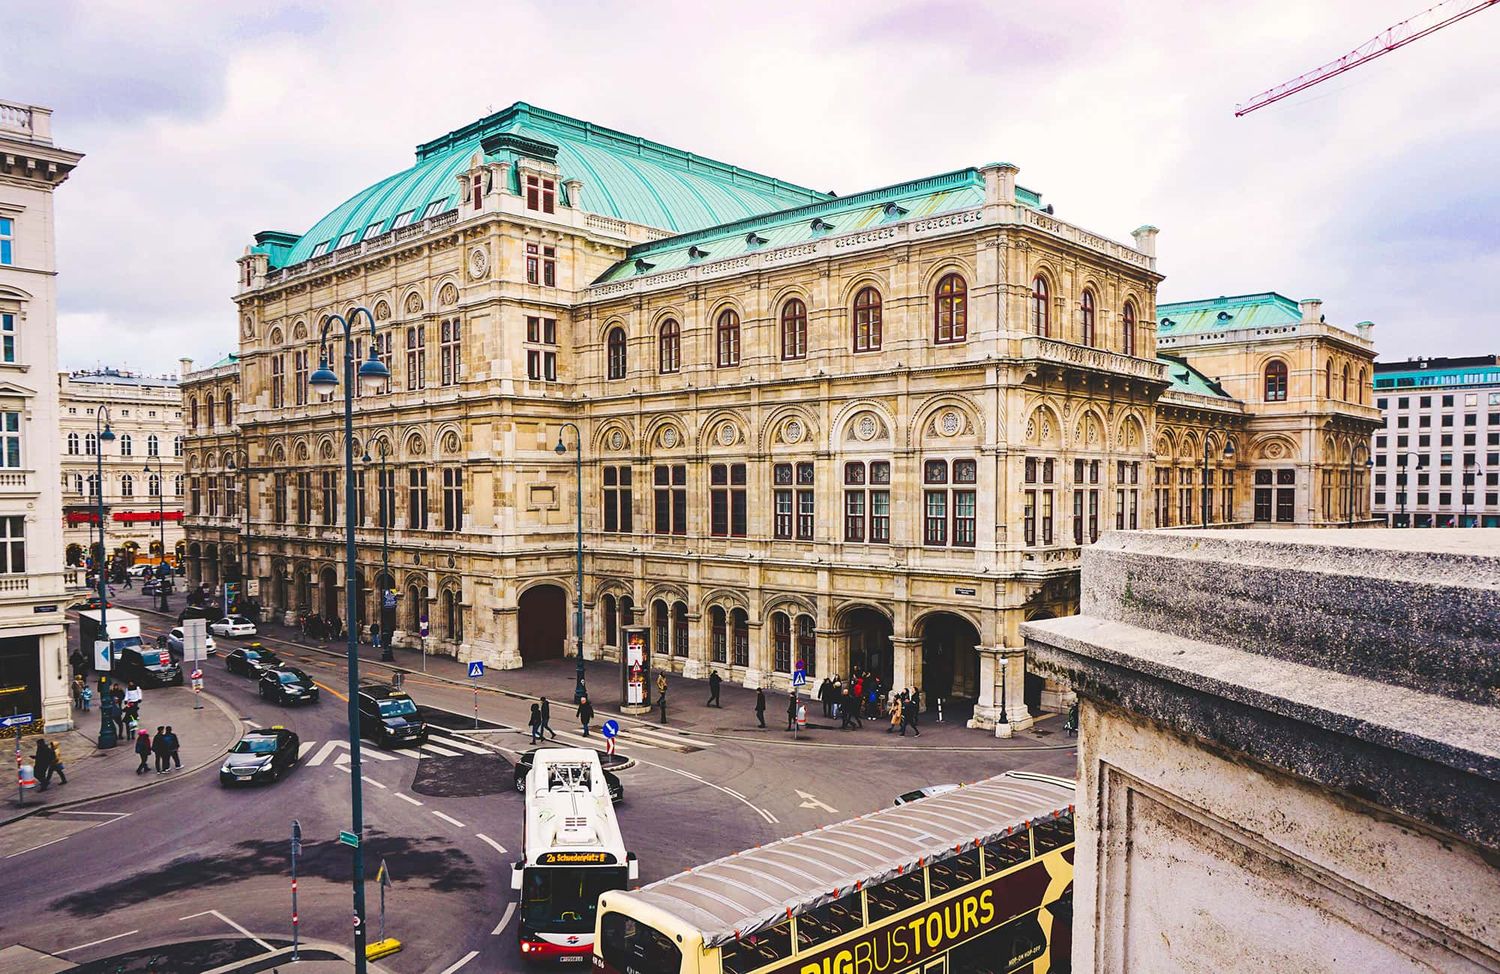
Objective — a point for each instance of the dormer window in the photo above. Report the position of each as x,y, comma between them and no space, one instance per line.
435,207
541,194
402,219
754,239
347,239
477,196
696,253
819,224
893,210
321,249
373,230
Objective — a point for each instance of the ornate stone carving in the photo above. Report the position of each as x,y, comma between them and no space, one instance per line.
728,434
448,296
413,304
479,264
669,436
617,440
950,424
791,432
867,427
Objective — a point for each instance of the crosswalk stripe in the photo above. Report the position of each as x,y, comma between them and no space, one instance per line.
462,745
441,751
651,734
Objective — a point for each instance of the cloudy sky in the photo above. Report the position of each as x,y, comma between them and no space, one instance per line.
204,123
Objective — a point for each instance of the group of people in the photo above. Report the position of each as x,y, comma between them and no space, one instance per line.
864,696
315,626
541,720
46,762
164,747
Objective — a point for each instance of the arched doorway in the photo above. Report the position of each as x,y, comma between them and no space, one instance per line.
1036,684
869,640
195,564
541,623
950,659
302,588
328,591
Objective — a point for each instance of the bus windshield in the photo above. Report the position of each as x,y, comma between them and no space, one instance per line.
564,899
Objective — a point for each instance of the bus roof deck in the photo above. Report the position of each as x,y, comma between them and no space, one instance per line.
744,892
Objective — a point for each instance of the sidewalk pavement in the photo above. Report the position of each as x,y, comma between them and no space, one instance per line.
205,735
685,698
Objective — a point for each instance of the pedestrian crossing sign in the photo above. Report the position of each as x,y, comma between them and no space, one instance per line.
799,677
476,669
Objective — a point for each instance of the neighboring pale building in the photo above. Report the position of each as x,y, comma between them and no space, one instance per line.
870,431
214,454
1437,460
1288,751
143,482
33,583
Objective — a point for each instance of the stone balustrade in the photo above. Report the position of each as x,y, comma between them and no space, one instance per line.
1097,359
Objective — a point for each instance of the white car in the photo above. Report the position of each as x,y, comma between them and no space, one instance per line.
232,626
926,792
175,638
140,570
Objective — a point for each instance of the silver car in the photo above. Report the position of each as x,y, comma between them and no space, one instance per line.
174,643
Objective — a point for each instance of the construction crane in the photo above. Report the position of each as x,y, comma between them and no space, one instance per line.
1432,19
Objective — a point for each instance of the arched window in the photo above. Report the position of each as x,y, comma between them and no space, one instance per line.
660,633
1127,322
740,624
718,635
1328,381
781,641
208,408
1276,381
73,444
728,339
807,644
192,414
453,617
669,347
177,486
90,444
793,330
1344,394
867,320
1361,389
679,629
229,405
153,445
616,344
951,310
153,486
1086,310
177,446
1041,317
127,485
611,621
126,447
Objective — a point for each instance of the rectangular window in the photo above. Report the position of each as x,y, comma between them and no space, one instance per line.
854,515
10,440
727,500
299,377
416,357
213,496
541,265
935,523
880,516
12,545
330,498
783,500
8,338
965,520
805,505
541,194
670,489
360,507
278,498
453,499
416,498
386,502
618,517
451,351
304,497
7,240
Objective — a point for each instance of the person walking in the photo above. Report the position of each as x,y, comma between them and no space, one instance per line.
536,722
909,715
133,695
896,717
916,705
173,746
585,714
129,581
661,684
142,748
56,765
117,694
714,679
159,748
661,696
846,712
760,706
41,764
547,719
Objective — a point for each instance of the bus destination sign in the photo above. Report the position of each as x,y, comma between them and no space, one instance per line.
576,859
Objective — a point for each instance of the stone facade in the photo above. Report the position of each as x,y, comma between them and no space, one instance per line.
34,585
854,433
1287,753
216,489
143,485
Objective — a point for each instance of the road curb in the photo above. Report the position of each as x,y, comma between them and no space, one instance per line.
140,785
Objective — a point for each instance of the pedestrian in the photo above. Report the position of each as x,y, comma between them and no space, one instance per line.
760,706
142,748
909,715
375,634
661,684
129,581
823,689
57,763
661,696
916,705
585,714
117,695
159,748
173,746
133,695
536,723
896,717
41,764
791,711
846,711
1071,726
714,679
547,719
85,698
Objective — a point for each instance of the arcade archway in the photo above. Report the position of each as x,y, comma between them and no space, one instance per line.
541,623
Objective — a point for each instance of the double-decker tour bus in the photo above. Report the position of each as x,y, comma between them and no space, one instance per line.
573,853
978,880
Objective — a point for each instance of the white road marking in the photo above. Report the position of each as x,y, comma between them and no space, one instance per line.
808,801
242,931
463,745
323,754
449,819
95,943
667,738
440,751
462,961
492,843
772,819
737,794
407,798
344,768
510,911
372,781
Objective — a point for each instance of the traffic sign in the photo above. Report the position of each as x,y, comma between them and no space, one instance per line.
476,669
349,839
16,720
799,678
103,659
610,728
195,675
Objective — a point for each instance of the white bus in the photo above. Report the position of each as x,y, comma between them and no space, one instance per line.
573,853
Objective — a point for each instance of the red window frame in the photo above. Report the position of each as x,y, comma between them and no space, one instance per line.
867,320
950,324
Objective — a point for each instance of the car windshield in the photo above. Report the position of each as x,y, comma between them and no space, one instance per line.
255,745
564,899
237,620
911,796
259,656
402,707
289,678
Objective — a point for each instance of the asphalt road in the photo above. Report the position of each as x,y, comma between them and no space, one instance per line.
197,860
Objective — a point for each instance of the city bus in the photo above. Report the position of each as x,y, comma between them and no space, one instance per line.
978,880
573,852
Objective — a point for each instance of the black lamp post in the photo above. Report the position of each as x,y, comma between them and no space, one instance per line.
1368,464
161,527
1470,468
102,436
371,375
1401,481
1228,455
386,652
560,449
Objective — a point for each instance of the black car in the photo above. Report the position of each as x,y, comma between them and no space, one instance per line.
611,780
198,612
390,717
146,665
287,684
261,755
252,661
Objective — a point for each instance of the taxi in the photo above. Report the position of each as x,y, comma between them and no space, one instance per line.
260,756
287,685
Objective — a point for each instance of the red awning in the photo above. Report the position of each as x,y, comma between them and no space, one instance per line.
150,517
82,517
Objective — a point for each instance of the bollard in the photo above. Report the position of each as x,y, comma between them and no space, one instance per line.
940,709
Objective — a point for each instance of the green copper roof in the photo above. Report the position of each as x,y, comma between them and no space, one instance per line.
1185,378
960,190
623,176
1224,313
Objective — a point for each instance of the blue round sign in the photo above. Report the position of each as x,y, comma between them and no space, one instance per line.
610,728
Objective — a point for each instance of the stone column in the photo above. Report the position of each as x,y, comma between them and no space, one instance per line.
906,662
757,674
1014,680
505,652
986,708
695,667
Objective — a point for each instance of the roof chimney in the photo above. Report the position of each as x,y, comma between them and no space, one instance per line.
999,182
1312,309
184,366
1365,329
1145,239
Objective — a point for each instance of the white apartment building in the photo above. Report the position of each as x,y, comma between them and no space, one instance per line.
33,587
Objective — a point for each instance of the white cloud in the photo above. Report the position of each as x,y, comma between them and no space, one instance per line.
204,124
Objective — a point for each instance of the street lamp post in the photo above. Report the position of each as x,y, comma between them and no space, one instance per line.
1470,469
1207,501
102,436
161,527
1401,459
1368,464
372,373
578,609
386,652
